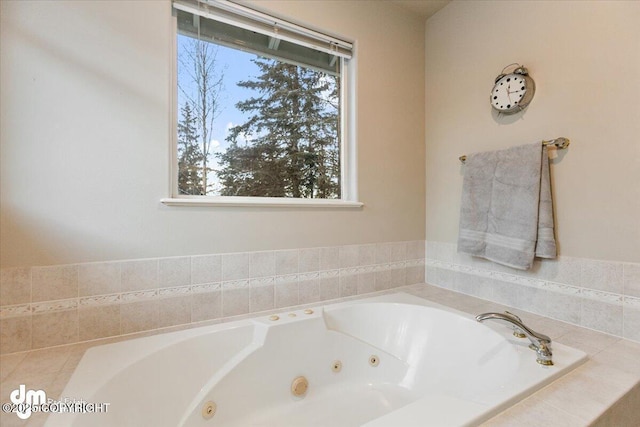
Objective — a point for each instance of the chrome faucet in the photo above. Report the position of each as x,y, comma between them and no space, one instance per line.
539,342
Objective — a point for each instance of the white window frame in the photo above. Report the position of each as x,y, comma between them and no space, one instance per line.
348,152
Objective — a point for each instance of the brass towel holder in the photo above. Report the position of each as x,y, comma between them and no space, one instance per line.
561,143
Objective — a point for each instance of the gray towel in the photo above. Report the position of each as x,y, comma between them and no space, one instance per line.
506,214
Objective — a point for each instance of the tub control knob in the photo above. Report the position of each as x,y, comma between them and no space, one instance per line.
299,386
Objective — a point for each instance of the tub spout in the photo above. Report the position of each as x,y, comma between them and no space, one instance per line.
539,342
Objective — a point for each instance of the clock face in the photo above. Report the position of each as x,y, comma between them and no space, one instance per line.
508,94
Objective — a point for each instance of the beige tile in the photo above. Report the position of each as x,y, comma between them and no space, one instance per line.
53,283
349,256
98,321
601,316
15,285
99,278
58,384
631,279
398,277
262,297
76,354
206,269
139,275
383,253
308,260
382,280
503,292
588,341
533,412
262,264
235,299
443,251
309,291
330,258
15,334
56,328
174,310
631,323
286,294
397,251
624,355
348,284
589,390
206,305
45,361
8,363
564,307
533,299
416,249
624,413
329,288
286,262
235,266
173,272
366,283
602,275
415,274
366,254
566,270
139,316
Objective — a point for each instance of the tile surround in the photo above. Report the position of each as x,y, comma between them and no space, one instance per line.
62,304
107,299
595,294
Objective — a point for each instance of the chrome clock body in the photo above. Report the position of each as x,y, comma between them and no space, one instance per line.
512,92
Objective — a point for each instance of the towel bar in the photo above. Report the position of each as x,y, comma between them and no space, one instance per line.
560,142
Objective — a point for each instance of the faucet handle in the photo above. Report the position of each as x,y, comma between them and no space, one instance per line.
544,355
517,332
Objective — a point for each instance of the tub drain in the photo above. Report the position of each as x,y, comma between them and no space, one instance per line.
374,360
337,366
209,410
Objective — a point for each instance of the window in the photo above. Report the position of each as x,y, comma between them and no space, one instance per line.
262,108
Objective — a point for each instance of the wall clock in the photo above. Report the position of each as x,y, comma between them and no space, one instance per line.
513,91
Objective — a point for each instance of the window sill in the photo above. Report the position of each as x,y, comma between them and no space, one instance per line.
270,202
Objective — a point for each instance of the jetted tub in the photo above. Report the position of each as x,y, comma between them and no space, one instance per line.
392,360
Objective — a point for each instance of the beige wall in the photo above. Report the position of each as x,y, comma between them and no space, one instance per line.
585,59
85,136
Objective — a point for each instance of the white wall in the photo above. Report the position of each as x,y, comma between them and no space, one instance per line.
585,59
85,119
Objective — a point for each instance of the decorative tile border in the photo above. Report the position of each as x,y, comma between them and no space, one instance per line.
15,311
589,293
104,299
561,288
51,306
130,297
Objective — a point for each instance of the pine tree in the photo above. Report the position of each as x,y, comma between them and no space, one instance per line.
190,156
291,146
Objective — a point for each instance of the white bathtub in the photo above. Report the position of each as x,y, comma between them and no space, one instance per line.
436,367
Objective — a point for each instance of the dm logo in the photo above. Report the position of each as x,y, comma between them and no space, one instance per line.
27,399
